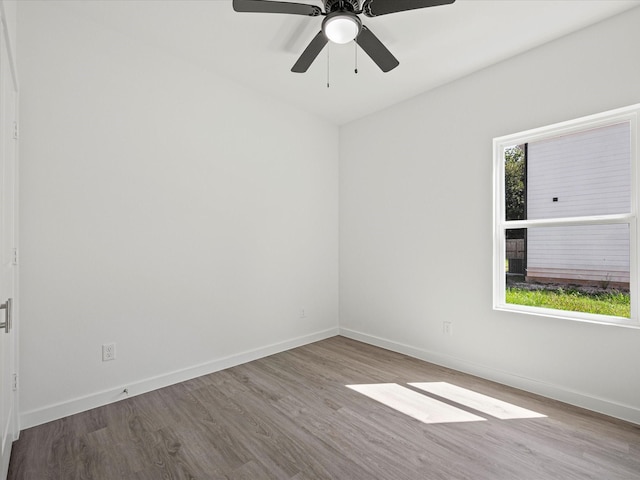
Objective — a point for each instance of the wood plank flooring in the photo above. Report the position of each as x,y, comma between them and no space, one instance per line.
291,416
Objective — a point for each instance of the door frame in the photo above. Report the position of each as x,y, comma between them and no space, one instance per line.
11,95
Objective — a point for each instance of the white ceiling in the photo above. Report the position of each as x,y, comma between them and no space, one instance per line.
434,45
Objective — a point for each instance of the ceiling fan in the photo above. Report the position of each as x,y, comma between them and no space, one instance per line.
341,24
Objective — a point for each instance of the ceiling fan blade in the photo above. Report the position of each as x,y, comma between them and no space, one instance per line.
263,6
375,8
310,53
376,50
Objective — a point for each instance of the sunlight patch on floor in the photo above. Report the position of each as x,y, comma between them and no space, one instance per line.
477,401
414,404
430,410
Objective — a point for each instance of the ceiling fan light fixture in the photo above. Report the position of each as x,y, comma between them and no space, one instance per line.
341,28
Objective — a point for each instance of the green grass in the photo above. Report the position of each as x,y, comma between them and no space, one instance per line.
613,303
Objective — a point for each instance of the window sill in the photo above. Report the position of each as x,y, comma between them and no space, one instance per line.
568,315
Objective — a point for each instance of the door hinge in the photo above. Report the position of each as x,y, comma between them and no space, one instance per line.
15,130
15,382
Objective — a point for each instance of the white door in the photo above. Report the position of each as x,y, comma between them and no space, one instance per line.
8,256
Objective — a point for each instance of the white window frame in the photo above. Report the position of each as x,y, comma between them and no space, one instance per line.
627,114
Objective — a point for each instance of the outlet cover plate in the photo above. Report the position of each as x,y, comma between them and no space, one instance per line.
108,352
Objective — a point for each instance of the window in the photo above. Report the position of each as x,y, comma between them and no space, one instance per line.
565,219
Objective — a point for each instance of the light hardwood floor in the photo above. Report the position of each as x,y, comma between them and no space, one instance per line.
291,416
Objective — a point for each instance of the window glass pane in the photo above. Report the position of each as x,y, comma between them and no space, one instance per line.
580,174
582,268
514,183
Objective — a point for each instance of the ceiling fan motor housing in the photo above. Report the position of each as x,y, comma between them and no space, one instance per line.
344,5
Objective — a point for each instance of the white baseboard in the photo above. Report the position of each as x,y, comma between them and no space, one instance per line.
6,457
98,399
39,416
556,392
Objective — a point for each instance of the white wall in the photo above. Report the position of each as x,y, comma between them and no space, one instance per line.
416,222
10,8
165,209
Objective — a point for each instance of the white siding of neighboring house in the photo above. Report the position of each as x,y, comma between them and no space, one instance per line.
590,174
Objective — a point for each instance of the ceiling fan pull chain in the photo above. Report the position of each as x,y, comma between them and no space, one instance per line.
328,58
355,46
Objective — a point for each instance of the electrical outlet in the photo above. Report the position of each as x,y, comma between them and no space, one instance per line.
447,328
303,313
108,352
